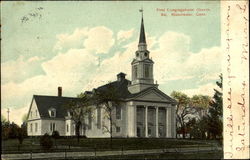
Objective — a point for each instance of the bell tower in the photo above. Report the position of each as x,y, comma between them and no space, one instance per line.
142,65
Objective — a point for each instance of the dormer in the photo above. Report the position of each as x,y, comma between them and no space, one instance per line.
52,112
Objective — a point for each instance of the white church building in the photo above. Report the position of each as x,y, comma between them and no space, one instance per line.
145,111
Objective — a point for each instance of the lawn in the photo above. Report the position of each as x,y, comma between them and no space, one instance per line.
99,144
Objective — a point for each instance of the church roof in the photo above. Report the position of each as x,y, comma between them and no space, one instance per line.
122,90
120,86
44,103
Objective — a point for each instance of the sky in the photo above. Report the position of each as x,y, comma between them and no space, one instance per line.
82,45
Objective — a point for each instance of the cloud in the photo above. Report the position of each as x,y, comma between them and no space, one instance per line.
125,35
96,40
74,40
100,40
71,70
207,89
20,69
173,59
76,67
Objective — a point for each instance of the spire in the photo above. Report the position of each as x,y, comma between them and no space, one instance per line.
142,32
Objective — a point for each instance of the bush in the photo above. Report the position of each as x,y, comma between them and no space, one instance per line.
20,135
46,141
55,134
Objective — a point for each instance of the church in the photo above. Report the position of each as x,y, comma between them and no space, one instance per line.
145,111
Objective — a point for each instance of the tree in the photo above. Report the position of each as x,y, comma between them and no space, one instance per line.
5,128
79,109
46,141
183,111
55,135
109,99
215,124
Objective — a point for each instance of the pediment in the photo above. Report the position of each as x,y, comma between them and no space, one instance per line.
153,95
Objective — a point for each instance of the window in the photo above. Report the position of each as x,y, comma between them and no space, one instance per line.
135,71
36,113
99,117
90,120
118,129
52,112
149,131
31,127
146,66
35,127
52,127
30,114
118,112
145,54
67,128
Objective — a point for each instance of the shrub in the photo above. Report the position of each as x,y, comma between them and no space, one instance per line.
55,134
20,135
46,141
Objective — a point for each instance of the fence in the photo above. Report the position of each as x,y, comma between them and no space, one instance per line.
72,151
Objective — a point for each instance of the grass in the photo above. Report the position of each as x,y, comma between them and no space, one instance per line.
99,144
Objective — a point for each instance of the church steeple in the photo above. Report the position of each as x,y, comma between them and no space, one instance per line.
142,33
142,46
142,65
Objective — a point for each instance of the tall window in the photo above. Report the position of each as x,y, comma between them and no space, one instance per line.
52,127
135,72
90,120
118,129
146,67
36,113
30,114
118,112
67,128
35,127
99,117
31,127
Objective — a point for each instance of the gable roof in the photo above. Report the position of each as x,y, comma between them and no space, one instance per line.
123,92
44,103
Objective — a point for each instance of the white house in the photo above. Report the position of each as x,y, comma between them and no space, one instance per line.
145,111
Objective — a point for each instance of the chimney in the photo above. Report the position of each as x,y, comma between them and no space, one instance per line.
120,76
59,91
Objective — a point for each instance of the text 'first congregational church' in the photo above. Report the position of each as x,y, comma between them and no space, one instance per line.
144,111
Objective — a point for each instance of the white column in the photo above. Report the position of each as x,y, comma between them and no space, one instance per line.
146,121
169,122
156,122
173,121
135,121
166,115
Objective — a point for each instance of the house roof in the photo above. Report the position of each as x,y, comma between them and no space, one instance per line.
44,103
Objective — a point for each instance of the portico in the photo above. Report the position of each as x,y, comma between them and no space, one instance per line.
153,121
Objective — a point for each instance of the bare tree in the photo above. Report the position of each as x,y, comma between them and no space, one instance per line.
109,99
79,109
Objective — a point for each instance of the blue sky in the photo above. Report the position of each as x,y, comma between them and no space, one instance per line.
81,45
